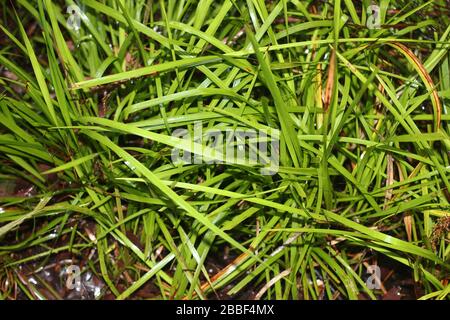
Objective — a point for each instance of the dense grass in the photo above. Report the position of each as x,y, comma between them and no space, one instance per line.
86,133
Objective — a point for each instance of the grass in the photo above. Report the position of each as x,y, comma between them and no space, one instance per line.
87,123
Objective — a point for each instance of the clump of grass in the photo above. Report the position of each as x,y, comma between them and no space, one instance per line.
87,118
